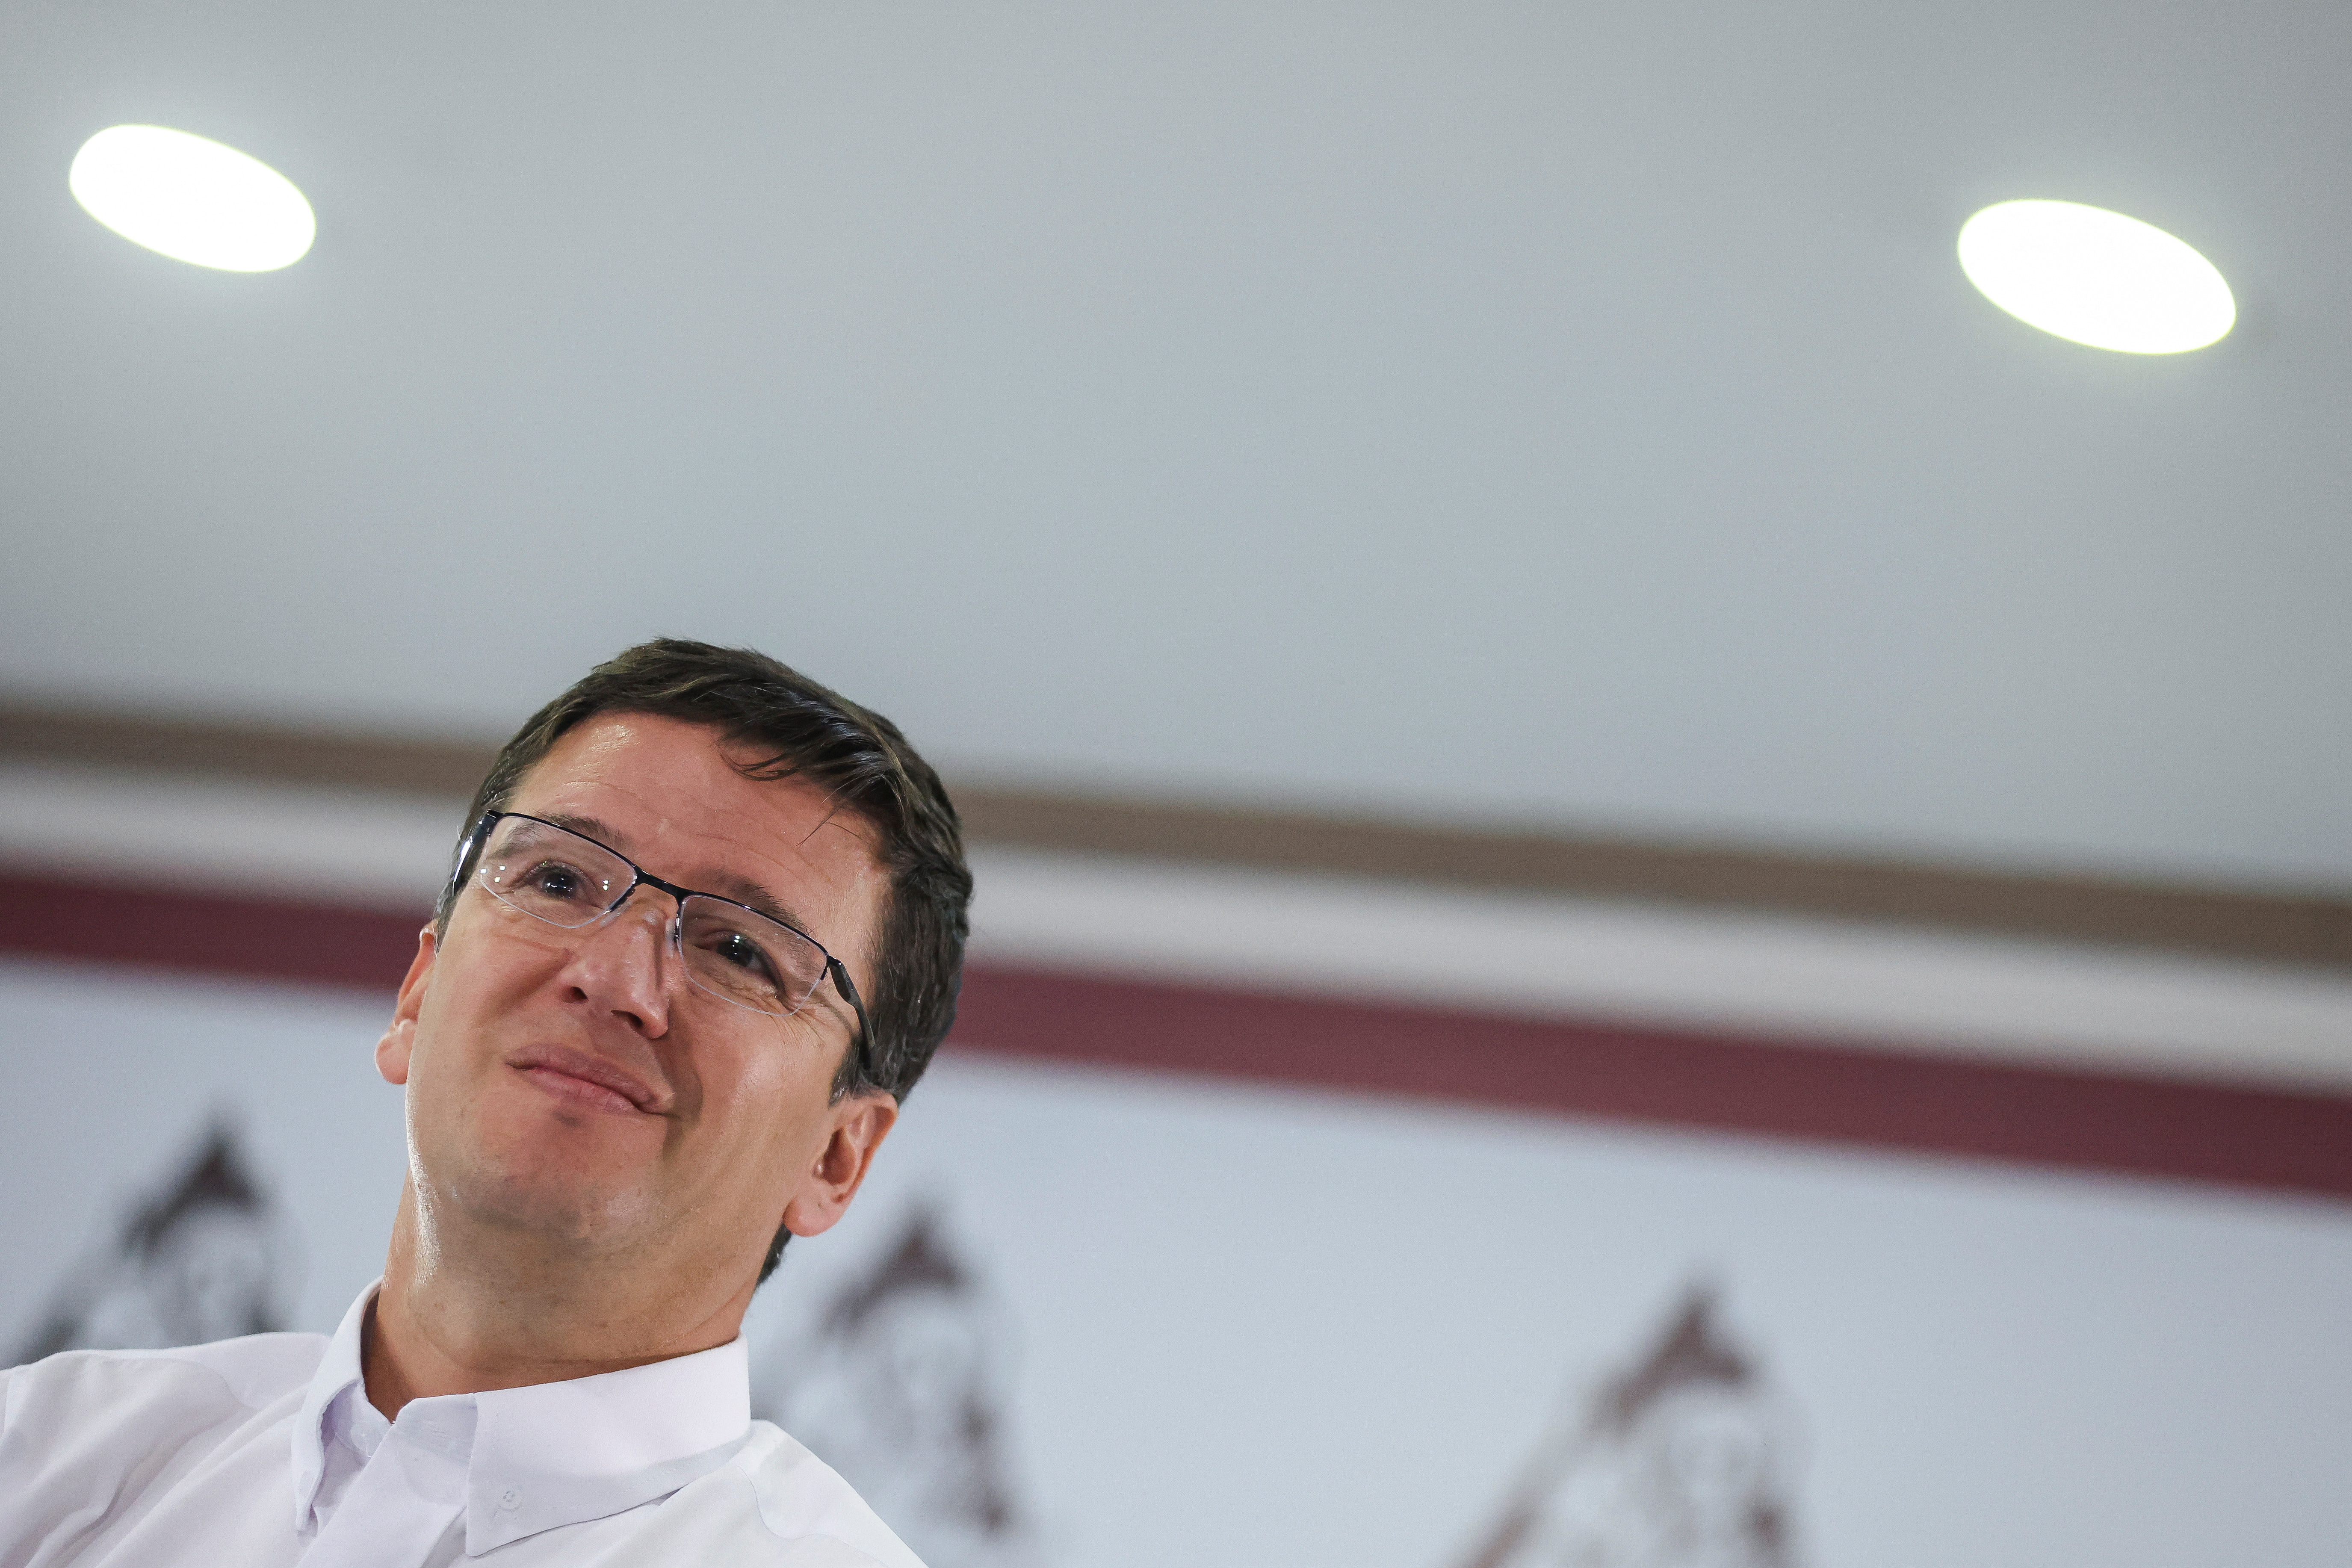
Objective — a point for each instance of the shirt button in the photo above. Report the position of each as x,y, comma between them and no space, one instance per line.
511,1497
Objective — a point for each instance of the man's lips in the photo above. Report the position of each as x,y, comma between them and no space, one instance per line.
585,1078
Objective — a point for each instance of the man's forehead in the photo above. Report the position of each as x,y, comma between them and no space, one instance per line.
647,785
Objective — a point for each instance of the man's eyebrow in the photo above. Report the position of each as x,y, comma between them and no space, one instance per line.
727,885
594,827
753,895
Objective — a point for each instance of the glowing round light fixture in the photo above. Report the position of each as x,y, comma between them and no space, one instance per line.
2096,277
191,199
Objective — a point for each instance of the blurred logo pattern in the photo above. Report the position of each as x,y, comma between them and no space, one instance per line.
899,1386
1686,1461
204,1256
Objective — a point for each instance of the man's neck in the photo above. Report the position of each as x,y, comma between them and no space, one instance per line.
492,1312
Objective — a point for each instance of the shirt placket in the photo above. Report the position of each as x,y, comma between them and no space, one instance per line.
410,1497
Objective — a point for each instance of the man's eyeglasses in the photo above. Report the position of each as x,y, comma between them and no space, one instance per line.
729,950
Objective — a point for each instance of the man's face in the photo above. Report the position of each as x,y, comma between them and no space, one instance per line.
577,1087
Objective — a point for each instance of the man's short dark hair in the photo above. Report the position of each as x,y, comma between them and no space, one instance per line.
795,728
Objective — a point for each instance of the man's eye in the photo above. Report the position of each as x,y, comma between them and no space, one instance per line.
555,880
743,954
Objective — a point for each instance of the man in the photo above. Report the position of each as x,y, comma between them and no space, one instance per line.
703,935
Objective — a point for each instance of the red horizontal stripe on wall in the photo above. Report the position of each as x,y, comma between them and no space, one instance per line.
252,936
1819,1093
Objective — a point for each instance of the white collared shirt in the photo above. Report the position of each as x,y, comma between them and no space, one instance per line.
265,1452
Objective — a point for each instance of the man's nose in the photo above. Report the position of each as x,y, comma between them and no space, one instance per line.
622,963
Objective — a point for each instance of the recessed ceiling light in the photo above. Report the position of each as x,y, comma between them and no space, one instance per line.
2096,277
191,199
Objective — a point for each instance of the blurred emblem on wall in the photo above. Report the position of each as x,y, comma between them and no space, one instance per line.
203,1256
1687,1459
898,1384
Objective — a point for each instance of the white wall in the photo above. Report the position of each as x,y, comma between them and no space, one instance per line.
1880,988
1262,1326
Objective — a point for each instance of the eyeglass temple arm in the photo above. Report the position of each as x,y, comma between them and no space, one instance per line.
468,847
849,989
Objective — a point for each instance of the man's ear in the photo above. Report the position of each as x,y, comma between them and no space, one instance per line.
393,1051
860,1122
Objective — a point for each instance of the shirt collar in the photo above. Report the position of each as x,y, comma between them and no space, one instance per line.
338,1371
559,1453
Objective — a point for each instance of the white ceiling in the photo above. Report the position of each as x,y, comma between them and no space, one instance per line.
1472,408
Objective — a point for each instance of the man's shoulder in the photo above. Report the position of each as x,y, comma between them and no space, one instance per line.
811,1516
252,1371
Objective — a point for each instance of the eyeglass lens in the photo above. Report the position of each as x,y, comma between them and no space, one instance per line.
556,876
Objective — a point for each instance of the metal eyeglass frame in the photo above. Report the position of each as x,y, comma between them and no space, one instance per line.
470,855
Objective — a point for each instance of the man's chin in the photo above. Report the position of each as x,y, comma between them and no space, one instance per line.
570,1215
590,1194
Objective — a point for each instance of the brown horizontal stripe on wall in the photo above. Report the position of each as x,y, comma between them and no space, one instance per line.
1821,1094
2299,928
2304,928
268,754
